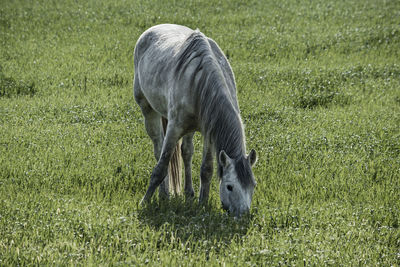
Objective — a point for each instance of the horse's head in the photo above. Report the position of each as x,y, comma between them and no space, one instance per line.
236,182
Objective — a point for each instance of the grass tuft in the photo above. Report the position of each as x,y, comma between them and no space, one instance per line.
9,87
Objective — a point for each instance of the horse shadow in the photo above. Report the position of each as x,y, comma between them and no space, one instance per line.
187,220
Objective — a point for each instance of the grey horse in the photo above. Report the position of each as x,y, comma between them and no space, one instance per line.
183,83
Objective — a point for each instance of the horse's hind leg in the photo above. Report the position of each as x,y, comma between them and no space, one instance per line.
172,136
187,154
153,125
206,172
154,130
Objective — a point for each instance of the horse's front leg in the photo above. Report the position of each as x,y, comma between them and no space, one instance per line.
187,154
171,138
206,172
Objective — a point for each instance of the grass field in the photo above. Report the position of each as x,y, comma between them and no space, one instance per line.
319,91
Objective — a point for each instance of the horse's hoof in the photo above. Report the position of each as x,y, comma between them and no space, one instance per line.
162,194
189,194
203,201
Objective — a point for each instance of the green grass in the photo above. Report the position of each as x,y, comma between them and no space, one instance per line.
319,91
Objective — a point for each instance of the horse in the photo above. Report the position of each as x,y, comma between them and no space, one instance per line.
183,84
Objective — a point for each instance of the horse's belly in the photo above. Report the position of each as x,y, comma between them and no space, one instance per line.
155,90
158,102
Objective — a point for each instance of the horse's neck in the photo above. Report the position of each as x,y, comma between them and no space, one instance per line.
219,113
228,134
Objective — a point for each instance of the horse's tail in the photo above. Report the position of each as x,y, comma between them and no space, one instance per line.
175,166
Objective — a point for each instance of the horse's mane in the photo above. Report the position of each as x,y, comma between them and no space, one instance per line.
219,117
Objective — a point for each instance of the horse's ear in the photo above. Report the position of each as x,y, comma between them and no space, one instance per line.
252,157
223,159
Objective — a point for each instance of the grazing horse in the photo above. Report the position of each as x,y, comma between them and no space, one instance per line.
183,83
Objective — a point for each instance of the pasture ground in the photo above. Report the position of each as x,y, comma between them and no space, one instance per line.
319,90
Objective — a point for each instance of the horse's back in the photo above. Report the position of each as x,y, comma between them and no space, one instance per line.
167,63
161,39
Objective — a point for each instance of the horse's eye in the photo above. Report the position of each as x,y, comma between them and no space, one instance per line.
229,187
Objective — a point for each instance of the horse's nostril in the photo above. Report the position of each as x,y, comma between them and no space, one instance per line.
225,207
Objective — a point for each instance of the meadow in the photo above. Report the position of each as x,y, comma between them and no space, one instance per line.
319,92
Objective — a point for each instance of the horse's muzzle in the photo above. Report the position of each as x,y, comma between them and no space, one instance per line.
243,210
